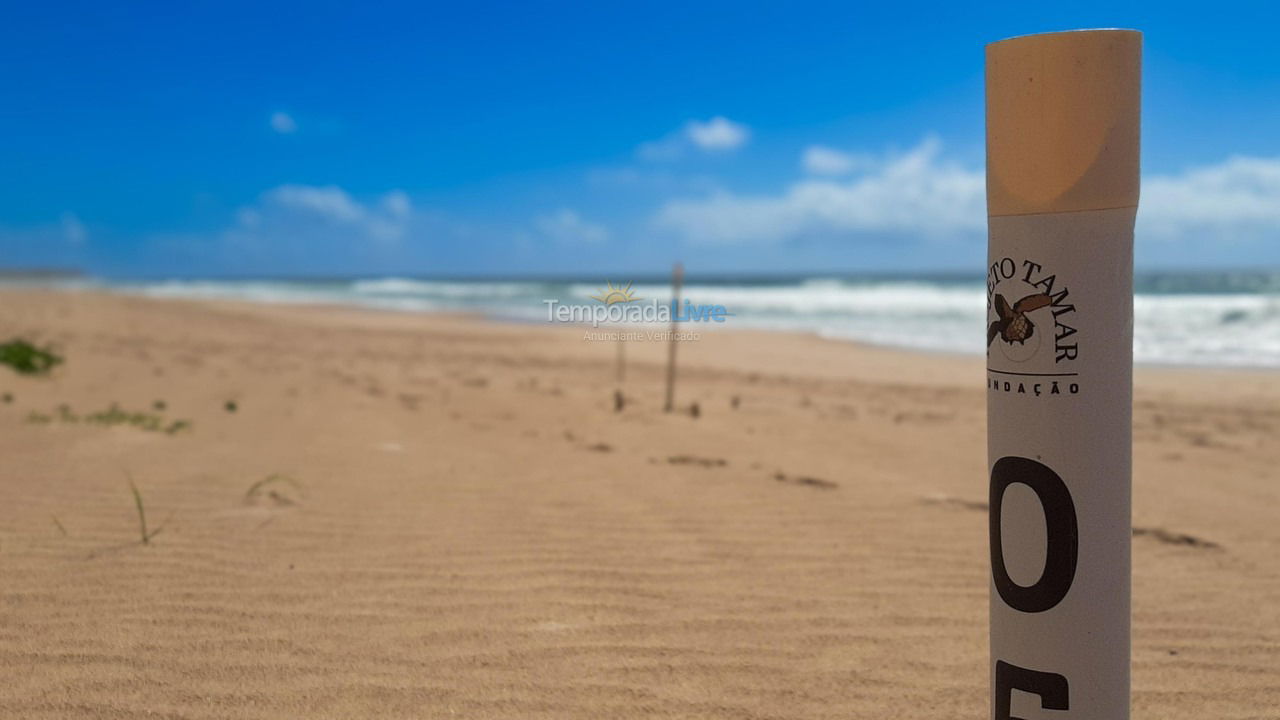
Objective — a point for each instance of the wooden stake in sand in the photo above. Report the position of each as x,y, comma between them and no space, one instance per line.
677,279
1062,194
620,373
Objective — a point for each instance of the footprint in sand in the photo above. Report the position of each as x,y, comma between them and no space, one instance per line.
1169,537
697,461
274,491
806,481
921,418
956,502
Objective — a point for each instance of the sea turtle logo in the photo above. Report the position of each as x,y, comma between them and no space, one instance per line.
611,295
1013,325
1030,312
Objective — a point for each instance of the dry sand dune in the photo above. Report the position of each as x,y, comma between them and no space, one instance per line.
475,533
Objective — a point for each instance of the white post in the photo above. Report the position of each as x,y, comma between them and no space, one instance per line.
1062,194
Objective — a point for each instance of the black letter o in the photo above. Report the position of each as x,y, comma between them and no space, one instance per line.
1060,521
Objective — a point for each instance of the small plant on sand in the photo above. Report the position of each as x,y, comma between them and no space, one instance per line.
27,359
264,488
145,534
177,426
113,415
231,406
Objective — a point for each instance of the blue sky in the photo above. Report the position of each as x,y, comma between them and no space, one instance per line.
221,138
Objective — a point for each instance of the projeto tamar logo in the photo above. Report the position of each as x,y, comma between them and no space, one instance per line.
619,304
1031,341
1031,309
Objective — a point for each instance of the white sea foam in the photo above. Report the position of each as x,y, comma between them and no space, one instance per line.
1204,319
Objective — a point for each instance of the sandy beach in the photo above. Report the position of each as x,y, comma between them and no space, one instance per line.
461,525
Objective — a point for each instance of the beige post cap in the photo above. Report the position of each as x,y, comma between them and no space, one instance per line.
1063,122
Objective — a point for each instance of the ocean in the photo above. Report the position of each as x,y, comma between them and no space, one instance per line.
1223,319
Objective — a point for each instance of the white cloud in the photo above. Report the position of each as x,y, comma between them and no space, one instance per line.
667,149
823,160
283,123
330,201
396,204
248,217
920,194
1237,200
293,215
54,242
914,193
73,231
717,135
567,226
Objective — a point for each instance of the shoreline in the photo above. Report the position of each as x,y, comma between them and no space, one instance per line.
384,514
500,320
